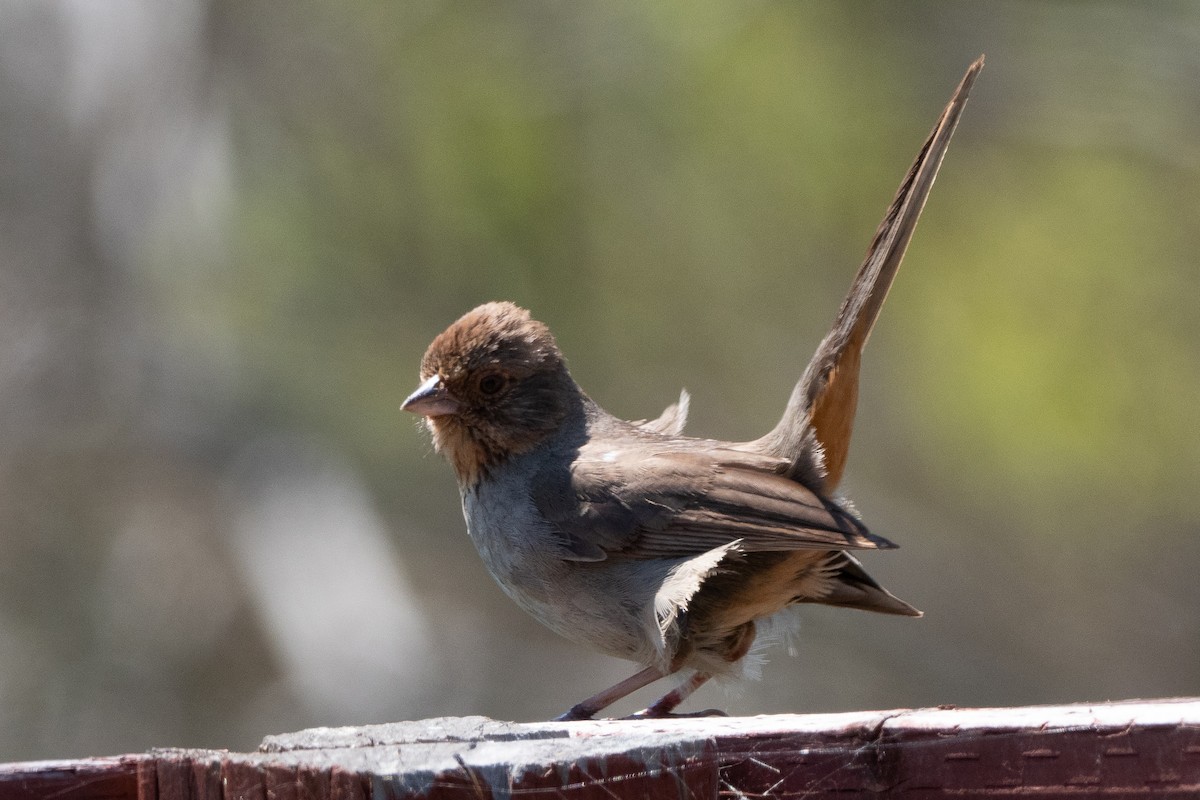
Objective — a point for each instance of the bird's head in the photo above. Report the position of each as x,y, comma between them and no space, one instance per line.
493,385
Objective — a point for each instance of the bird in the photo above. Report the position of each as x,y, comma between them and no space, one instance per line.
636,540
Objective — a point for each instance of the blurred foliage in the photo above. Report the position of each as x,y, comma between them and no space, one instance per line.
232,227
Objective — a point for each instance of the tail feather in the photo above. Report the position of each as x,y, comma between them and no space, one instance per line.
814,432
852,587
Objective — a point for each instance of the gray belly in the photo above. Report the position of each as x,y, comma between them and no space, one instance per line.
607,605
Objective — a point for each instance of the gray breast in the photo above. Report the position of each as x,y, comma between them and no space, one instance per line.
607,605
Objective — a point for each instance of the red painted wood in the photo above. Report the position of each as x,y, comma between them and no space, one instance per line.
86,779
347,785
1149,749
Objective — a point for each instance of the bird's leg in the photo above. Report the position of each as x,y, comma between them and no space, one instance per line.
737,643
667,703
612,694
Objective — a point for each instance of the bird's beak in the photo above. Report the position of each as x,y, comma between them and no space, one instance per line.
431,399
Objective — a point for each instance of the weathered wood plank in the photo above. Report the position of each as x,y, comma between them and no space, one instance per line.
1113,749
85,779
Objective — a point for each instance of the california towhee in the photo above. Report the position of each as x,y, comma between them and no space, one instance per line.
641,542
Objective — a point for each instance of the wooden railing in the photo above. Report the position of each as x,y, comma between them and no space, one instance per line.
1134,748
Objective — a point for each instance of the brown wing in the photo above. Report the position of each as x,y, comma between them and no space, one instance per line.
824,400
673,498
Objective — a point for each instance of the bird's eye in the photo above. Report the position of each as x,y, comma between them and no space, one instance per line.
491,383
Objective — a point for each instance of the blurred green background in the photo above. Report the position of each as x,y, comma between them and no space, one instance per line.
229,229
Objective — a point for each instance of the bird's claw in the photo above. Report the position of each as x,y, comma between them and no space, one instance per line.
650,713
575,714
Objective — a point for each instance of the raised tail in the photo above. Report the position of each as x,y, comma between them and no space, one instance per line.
815,429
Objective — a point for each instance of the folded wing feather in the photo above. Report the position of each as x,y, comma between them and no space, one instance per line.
664,499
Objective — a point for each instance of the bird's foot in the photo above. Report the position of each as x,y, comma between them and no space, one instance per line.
576,713
651,713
